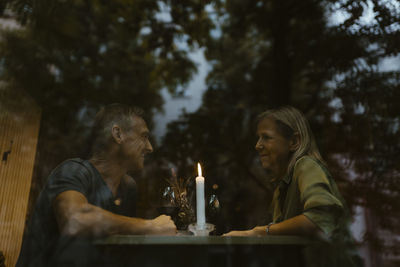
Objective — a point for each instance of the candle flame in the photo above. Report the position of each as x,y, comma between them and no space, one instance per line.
199,170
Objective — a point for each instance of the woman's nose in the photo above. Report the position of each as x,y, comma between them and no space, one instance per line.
258,145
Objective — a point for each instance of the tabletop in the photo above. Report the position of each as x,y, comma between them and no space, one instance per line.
203,240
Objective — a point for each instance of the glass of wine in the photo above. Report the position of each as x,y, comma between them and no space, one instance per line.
168,204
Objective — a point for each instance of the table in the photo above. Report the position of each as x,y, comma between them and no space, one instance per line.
130,250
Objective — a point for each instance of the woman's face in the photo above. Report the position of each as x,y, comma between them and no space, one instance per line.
274,149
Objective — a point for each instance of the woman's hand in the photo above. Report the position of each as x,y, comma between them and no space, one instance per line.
299,225
239,233
256,231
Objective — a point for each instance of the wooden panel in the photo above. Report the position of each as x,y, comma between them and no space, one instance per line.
19,127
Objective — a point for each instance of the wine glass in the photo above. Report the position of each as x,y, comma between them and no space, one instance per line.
168,203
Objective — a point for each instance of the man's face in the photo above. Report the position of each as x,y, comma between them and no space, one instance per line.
273,148
135,145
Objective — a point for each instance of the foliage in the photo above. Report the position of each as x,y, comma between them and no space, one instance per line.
74,56
272,53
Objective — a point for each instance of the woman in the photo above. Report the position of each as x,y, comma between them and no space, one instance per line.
306,200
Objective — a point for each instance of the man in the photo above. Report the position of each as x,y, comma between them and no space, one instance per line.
93,198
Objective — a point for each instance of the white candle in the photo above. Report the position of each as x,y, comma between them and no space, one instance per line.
200,204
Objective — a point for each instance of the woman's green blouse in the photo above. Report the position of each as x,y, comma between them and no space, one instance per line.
309,190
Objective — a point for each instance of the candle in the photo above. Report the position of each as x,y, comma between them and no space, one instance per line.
200,204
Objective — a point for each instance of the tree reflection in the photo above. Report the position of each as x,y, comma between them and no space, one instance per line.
74,56
272,53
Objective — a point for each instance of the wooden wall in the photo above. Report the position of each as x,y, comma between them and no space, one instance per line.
19,128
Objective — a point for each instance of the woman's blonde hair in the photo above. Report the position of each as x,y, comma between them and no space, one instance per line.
291,121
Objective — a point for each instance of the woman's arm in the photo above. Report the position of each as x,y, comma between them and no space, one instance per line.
298,225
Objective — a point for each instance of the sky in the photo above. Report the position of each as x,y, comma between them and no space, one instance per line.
173,106
191,100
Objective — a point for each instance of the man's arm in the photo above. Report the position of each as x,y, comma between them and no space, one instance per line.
75,216
299,225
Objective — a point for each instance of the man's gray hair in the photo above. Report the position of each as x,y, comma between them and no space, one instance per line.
291,121
119,114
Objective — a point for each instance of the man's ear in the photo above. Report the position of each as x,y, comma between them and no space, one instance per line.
295,142
116,134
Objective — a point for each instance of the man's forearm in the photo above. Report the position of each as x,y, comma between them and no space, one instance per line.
90,220
75,216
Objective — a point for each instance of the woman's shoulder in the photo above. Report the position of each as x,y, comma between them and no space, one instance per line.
307,162
307,166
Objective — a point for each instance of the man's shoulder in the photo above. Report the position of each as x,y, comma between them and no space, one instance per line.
68,162
74,163
73,167
72,174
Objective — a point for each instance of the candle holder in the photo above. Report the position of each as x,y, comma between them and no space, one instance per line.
201,230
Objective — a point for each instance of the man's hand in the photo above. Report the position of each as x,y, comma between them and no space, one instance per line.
163,225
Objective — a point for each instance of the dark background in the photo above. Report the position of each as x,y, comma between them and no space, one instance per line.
74,56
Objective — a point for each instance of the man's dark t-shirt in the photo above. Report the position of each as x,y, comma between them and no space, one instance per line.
42,244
